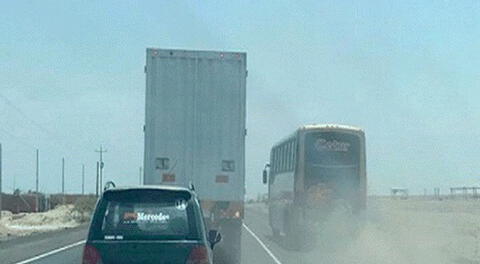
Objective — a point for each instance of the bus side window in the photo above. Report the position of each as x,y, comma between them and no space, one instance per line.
280,159
271,161
286,157
291,155
289,160
274,161
277,169
277,160
294,155
275,155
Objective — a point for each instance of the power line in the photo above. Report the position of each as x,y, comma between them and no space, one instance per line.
52,136
12,105
26,143
18,139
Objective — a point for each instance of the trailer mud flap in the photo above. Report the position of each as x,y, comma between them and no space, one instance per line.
229,251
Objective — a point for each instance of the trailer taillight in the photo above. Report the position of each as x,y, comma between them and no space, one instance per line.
221,179
168,177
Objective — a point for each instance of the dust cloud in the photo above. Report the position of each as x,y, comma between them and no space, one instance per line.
394,231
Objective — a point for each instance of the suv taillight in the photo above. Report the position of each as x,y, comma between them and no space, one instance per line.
91,255
198,255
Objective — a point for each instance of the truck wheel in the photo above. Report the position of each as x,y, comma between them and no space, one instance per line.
276,233
229,250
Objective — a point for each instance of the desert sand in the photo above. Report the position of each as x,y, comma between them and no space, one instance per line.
22,224
415,230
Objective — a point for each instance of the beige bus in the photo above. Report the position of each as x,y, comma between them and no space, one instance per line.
310,170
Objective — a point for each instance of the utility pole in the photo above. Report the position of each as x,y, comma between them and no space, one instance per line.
98,169
83,179
36,182
0,181
101,151
63,179
140,176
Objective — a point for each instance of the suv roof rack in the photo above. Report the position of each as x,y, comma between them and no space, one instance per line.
109,185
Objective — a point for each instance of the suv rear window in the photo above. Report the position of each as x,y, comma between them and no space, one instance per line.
147,214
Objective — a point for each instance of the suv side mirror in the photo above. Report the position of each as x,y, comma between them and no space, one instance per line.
265,176
214,237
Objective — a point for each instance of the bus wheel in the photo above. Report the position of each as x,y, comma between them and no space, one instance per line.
294,235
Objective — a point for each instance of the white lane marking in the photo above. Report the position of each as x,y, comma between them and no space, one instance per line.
262,244
55,251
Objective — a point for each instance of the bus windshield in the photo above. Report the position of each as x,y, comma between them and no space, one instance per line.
326,149
332,159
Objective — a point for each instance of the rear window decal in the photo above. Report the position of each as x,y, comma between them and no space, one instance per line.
181,204
160,217
132,217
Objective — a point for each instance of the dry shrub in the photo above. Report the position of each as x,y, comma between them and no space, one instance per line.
83,208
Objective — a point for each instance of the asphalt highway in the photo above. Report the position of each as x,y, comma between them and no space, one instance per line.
66,246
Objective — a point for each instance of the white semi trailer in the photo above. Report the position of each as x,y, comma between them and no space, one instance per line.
195,133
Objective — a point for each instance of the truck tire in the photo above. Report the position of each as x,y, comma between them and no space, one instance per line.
229,250
276,233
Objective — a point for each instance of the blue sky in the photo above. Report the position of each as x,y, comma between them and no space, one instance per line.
71,78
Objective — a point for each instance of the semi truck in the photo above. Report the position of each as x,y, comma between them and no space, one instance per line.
195,129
